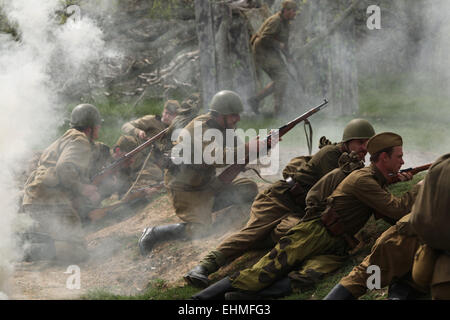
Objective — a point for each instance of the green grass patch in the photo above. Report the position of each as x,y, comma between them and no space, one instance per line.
156,290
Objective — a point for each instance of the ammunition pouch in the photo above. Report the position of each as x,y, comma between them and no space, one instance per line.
330,220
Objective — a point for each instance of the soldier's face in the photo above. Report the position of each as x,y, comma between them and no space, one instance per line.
167,117
359,146
395,161
231,120
95,132
290,14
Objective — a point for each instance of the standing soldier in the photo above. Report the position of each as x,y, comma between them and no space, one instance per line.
416,248
330,232
58,186
194,189
271,38
142,129
281,206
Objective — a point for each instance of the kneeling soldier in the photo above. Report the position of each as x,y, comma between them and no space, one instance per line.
194,189
57,187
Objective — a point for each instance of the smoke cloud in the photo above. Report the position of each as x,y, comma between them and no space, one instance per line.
35,70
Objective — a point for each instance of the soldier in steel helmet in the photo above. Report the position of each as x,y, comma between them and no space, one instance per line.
57,186
281,206
272,37
325,237
140,130
194,189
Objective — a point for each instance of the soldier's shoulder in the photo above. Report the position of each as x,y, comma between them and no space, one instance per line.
331,150
150,117
203,118
76,136
361,174
275,17
271,22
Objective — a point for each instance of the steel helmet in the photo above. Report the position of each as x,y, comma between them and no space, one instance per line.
85,115
358,129
226,102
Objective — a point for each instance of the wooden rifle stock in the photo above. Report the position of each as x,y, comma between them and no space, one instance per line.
413,171
230,173
113,167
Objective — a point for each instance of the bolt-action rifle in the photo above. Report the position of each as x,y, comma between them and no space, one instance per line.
115,166
413,171
230,173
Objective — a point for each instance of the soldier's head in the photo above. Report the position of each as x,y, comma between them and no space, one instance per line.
226,107
171,108
289,9
356,135
124,145
386,152
86,118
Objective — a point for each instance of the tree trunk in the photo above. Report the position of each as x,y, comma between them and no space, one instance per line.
225,55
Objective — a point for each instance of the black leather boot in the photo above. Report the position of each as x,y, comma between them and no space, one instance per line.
153,235
401,291
215,291
197,277
339,292
278,289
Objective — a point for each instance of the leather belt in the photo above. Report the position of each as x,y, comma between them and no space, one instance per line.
330,220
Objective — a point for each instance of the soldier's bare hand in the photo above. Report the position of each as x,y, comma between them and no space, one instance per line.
404,176
142,135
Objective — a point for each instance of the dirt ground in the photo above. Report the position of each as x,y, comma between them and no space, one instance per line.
116,265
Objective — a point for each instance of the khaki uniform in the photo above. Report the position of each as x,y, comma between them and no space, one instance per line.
276,210
360,194
54,188
395,252
194,189
265,44
409,247
151,173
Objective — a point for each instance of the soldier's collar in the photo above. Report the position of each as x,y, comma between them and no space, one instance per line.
379,177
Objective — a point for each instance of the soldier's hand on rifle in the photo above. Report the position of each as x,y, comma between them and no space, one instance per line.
91,192
142,135
404,176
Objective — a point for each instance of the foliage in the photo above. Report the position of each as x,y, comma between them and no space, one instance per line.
156,290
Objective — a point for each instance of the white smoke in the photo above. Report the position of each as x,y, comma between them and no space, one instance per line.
34,70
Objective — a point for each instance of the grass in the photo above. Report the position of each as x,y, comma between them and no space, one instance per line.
420,118
156,290
159,290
